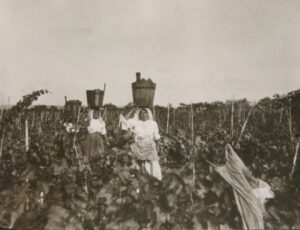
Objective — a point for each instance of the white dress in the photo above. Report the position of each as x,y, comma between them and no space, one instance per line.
97,126
145,130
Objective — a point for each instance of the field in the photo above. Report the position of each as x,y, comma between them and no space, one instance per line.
50,185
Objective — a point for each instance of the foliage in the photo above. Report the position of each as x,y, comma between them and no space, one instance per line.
54,186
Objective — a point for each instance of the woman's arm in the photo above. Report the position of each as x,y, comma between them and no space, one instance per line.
130,113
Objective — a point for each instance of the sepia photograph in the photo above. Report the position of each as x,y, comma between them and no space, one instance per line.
149,114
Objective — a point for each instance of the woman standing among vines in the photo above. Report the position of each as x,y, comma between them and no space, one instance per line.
146,136
95,142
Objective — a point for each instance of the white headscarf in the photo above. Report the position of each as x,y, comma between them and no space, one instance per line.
137,114
126,124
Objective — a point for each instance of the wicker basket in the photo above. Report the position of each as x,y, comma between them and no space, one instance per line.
95,98
143,92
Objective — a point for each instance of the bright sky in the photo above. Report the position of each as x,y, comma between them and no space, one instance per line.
195,50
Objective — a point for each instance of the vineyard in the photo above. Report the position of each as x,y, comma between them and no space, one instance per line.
47,183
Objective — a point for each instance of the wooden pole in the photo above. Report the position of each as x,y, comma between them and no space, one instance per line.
220,116
192,123
245,123
74,142
174,118
20,122
40,123
1,144
232,113
2,110
281,113
240,113
168,118
33,117
290,123
295,159
26,135
189,113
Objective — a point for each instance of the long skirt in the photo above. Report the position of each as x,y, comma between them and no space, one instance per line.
145,152
153,169
94,147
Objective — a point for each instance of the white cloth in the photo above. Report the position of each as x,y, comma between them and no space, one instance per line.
97,126
250,193
263,192
144,129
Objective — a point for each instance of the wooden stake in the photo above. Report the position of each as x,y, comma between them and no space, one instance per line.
280,119
174,119
245,123
240,113
78,116
295,159
26,135
189,112
104,114
220,115
232,113
20,122
194,174
168,118
33,117
225,115
290,123
104,87
1,144
192,122
2,110
74,141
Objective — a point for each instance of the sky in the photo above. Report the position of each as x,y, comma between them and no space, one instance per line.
195,50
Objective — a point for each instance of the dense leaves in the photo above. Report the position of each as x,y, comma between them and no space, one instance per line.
54,186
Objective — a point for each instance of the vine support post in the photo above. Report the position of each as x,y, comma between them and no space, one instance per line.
240,113
1,144
280,118
33,117
232,113
168,118
2,110
26,135
290,123
245,123
74,141
174,118
295,158
192,123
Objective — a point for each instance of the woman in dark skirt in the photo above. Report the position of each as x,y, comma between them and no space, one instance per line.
95,142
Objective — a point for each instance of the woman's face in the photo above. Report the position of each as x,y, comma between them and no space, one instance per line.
96,114
144,116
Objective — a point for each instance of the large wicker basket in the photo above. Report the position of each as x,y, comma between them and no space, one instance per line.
143,92
95,98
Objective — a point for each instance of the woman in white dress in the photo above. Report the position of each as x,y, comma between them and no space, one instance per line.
95,142
146,136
